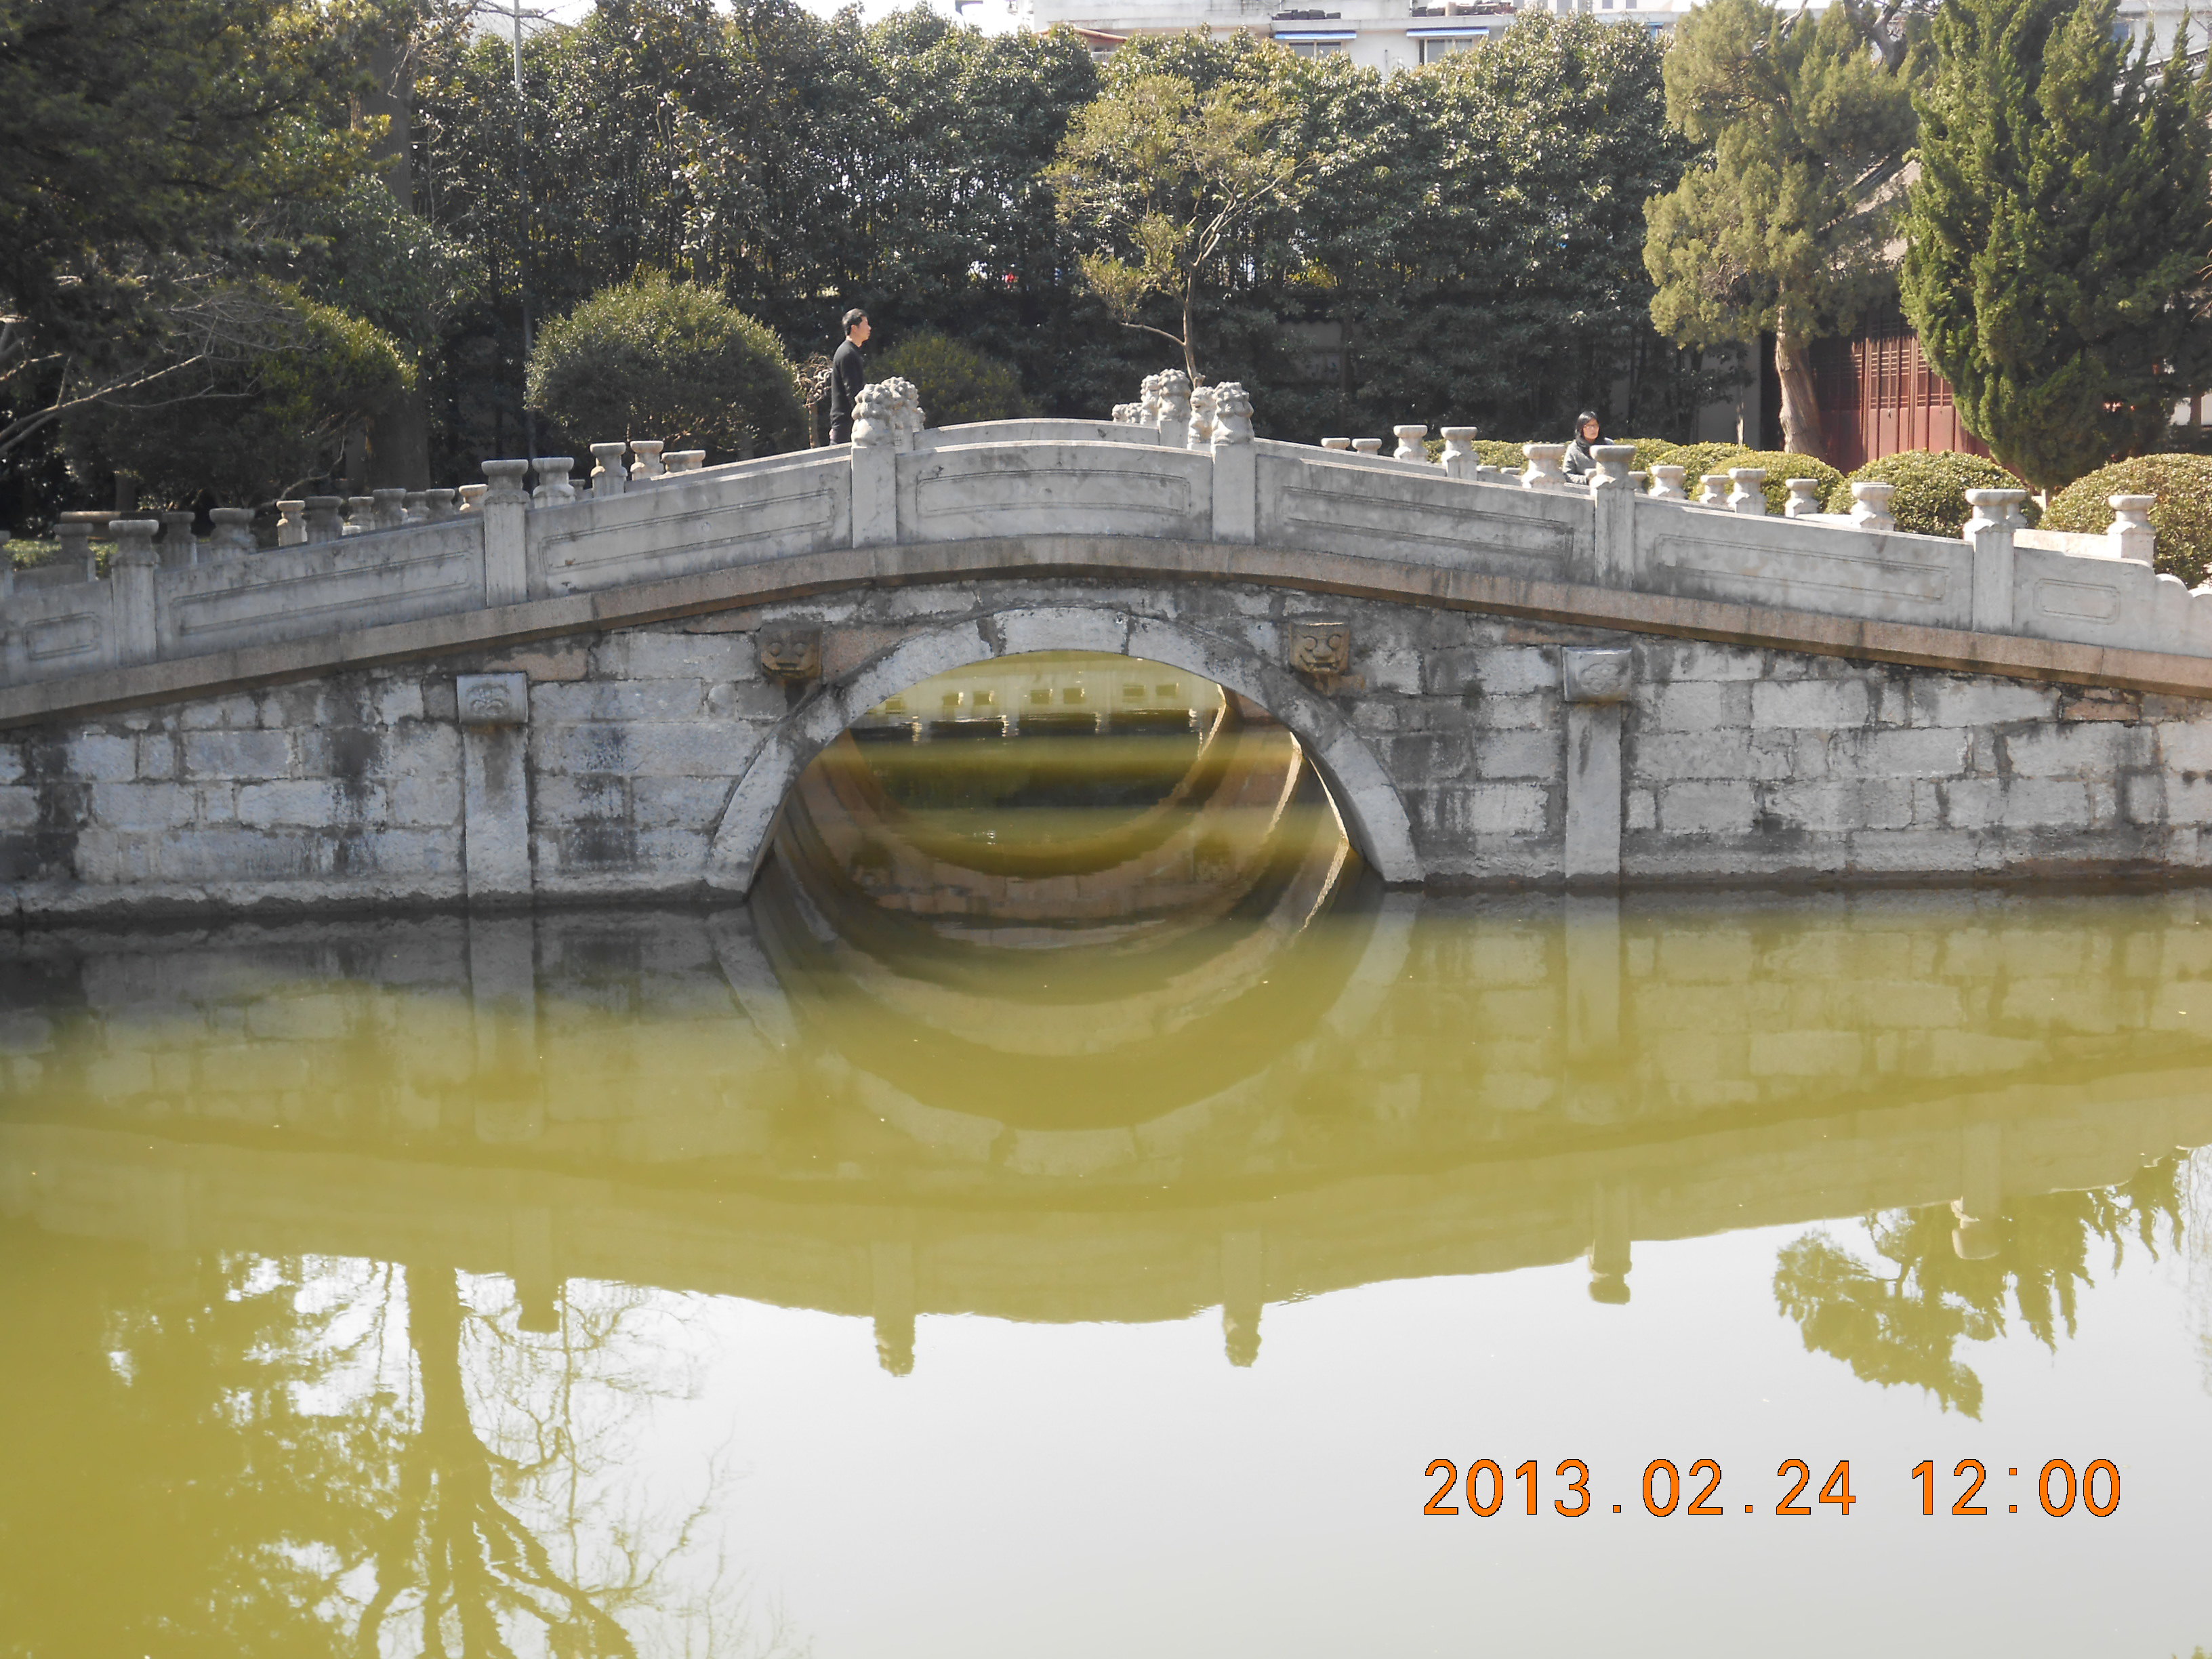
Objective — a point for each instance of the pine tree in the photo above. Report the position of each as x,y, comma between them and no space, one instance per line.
2061,221
1785,227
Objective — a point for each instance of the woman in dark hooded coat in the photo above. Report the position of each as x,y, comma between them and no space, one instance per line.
1588,431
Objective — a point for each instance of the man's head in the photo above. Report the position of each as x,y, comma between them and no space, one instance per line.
856,327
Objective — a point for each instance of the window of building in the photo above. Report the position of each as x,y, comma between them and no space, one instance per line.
1317,48
1435,51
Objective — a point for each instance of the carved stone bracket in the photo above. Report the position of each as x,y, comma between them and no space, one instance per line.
492,699
791,653
1596,675
1321,653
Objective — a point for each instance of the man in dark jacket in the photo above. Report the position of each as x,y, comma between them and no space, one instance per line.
848,373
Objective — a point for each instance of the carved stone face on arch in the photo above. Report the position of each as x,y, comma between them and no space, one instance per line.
791,652
1320,650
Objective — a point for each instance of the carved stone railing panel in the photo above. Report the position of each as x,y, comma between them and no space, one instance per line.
1047,489
692,522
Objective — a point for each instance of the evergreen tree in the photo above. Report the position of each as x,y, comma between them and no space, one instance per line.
2060,221
1783,228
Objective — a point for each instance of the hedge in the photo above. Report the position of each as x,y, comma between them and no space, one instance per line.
957,383
2182,518
671,361
1931,488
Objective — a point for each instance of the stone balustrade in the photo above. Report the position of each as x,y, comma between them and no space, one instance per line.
392,556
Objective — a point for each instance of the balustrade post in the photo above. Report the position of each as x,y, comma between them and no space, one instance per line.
437,505
180,548
1870,508
505,507
2131,534
1367,446
648,469
875,467
389,508
1235,466
608,478
1667,484
1409,446
360,517
291,523
324,522
1716,491
1613,496
1543,472
1990,530
693,460
1804,497
473,497
233,533
554,485
1459,460
1748,496
1339,444
74,531
131,590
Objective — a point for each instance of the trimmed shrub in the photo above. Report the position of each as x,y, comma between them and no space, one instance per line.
957,383
1650,452
1698,460
281,381
673,361
1781,467
1931,488
2183,517
1496,453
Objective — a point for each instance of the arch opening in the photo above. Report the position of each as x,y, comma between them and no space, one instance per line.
1062,790
1358,787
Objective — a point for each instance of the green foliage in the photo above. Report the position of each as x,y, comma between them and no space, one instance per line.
1161,183
957,383
1477,224
2061,221
139,138
657,358
1931,488
2182,518
1899,1320
1698,460
266,385
363,252
1650,452
1495,452
1782,229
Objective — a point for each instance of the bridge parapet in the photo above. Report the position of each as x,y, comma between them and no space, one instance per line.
1193,476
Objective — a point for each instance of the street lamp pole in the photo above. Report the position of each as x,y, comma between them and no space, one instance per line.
522,257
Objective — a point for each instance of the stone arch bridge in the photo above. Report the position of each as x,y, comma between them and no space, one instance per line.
1501,677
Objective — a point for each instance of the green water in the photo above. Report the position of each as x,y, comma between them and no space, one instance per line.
1075,1225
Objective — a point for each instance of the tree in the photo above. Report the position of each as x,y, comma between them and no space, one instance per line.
671,361
2060,224
1903,1326
1783,228
1162,180
252,393
139,137
957,383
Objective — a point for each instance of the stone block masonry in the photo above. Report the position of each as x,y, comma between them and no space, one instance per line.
631,762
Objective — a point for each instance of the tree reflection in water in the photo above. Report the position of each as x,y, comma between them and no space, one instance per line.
326,1456
1901,1322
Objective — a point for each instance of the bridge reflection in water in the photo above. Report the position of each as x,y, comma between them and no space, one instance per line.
1053,1024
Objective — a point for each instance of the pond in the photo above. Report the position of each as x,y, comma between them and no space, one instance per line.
1072,1208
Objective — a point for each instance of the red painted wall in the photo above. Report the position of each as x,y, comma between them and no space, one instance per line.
1878,395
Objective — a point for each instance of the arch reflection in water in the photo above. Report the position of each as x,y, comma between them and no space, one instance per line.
353,1227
